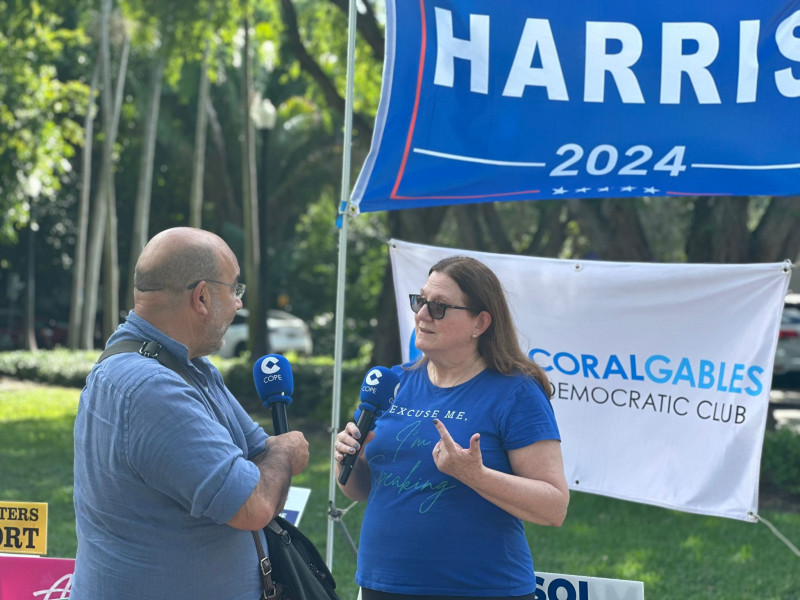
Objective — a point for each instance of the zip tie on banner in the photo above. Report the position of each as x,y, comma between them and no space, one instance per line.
340,216
777,533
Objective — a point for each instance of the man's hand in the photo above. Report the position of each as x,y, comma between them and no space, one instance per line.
293,445
284,456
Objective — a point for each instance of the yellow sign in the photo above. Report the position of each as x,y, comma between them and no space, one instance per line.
23,527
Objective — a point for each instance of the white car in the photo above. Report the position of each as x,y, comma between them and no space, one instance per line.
287,333
787,355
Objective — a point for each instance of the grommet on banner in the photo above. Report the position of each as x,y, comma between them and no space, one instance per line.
788,266
577,267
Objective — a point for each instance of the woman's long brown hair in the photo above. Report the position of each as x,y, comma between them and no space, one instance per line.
498,345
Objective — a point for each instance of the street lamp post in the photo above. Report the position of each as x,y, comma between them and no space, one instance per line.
264,116
32,186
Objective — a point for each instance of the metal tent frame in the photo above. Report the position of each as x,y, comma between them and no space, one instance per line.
345,212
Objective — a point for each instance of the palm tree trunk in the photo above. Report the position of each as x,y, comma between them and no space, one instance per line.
141,218
256,320
199,157
102,221
111,314
79,263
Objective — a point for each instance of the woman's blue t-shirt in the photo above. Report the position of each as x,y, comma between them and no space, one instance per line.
423,531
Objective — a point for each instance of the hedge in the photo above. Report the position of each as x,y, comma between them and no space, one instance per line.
313,377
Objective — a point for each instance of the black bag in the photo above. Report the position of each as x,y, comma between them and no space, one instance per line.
294,569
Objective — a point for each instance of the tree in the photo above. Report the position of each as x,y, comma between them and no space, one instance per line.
199,155
79,264
103,230
141,218
169,33
298,49
39,129
252,245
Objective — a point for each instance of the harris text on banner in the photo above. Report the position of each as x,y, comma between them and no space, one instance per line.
485,101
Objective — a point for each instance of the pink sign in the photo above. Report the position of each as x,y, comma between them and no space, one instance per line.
31,578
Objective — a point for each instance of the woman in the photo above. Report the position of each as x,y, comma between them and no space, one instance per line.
468,451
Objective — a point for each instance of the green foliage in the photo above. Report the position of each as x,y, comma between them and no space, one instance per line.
57,367
323,32
179,29
39,110
780,461
313,261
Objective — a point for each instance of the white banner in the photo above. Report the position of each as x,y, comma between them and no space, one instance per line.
661,372
551,586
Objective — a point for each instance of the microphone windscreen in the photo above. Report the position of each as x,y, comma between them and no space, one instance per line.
378,389
272,375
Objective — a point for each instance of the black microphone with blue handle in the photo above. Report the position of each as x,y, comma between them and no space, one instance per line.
377,394
272,375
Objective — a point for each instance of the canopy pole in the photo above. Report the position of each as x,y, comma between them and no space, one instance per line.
345,211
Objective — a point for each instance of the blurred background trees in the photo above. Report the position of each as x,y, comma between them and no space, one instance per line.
119,118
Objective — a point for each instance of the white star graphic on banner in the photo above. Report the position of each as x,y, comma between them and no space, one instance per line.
583,190
559,190
628,188
650,190
603,189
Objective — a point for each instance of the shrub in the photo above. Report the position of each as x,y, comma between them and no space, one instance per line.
313,378
67,368
780,461
313,385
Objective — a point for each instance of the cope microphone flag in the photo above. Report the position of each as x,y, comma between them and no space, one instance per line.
272,375
377,393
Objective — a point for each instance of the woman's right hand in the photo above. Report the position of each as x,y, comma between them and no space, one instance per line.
347,442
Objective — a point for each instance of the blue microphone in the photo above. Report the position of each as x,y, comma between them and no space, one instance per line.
377,393
272,375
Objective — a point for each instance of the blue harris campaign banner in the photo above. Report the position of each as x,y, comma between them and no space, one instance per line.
492,100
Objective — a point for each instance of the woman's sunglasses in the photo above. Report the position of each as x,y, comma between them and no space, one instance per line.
435,309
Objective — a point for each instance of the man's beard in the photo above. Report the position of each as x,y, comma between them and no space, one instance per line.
215,336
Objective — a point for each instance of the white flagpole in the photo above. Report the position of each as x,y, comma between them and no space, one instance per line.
345,211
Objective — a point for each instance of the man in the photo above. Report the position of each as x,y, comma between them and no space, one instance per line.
172,478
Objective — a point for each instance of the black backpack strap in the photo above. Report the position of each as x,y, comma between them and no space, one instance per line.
148,349
269,590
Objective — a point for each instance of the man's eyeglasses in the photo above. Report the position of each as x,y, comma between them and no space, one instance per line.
238,288
435,309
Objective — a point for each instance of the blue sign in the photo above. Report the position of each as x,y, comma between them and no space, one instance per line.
487,100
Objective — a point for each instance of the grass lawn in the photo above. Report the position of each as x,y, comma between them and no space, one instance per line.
677,555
